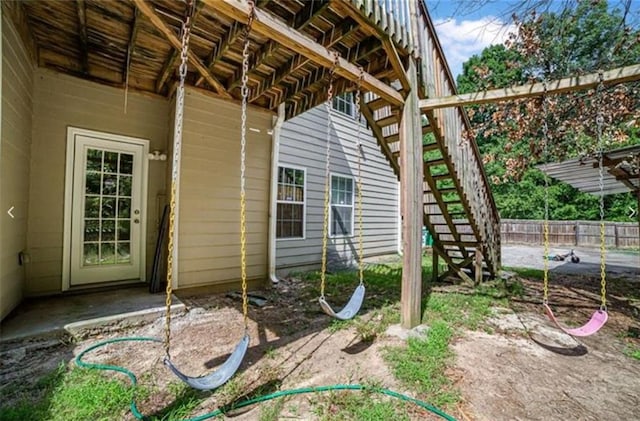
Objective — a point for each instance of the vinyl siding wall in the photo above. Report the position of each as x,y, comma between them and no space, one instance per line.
302,145
61,101
209,232
15,156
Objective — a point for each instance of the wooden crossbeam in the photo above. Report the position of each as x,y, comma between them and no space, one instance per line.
299,61
147,10
267,26
132,43
396,63
301,20
84,39
558,86
229,38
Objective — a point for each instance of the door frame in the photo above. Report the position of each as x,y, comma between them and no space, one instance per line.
72,132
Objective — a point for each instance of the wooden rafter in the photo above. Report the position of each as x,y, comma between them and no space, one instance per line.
160,25
267,26
84,38
315,80
302,19
132,43
231,37
170,63
375,30
558,86
299,61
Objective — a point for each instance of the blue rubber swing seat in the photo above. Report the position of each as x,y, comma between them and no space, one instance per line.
349,310
219,377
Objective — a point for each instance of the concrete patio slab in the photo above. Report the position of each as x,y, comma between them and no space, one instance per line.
78,313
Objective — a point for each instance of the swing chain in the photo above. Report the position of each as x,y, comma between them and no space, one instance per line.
177,144
325,223
359,151
545,153
599,134
243,154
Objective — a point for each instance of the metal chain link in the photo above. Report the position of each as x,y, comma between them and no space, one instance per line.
359,152
177,145
545,155
599,134
325,222
243,157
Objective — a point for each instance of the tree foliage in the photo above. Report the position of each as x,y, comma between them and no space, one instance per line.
514,136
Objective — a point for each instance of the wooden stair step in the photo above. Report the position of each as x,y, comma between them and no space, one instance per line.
396,137
460,243
432,162
387,121
442,177
446,190
377,103
445,202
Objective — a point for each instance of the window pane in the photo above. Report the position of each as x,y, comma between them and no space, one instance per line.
109,184
94,160
93,183
290,220
90,254
341,219
108,208
124,186
107,253
108,230
110,162
92,206
92,230
123,255
126,163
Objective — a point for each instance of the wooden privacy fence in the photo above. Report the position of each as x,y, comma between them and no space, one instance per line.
570,233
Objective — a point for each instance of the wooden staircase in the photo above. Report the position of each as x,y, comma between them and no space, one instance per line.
459,210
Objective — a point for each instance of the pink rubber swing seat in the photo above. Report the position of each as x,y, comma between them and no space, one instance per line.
598,319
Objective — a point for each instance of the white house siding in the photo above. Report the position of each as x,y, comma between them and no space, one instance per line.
15,155
209,231
61,101
302,144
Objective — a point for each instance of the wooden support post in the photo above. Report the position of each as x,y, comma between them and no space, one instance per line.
411,171
478,266
434,265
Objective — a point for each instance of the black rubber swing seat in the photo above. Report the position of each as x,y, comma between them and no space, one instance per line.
219,377
349,310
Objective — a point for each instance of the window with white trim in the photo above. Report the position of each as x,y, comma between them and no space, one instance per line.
341,218
344,104
290,202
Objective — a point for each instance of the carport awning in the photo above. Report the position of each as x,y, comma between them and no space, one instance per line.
621,175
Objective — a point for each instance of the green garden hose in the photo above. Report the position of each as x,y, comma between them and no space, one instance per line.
236,405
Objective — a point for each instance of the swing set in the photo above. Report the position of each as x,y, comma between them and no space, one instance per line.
223,373
600,316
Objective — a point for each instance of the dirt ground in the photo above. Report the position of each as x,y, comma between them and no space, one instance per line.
518,367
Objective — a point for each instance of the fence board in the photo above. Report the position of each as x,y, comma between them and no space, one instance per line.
570,233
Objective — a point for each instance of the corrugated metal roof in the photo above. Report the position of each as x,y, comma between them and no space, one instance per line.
621,175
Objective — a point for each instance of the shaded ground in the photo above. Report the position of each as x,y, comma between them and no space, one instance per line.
515,367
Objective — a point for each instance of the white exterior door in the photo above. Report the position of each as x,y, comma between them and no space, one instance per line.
107,208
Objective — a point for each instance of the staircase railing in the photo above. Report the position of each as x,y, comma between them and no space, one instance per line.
453,126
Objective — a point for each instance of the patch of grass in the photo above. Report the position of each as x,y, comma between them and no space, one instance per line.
271,412
347,406
69,395
633,352
528,272
421,366
460,310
